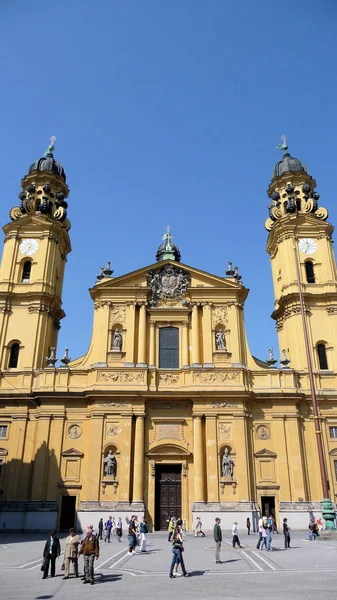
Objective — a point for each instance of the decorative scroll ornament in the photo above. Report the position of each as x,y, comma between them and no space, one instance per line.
118,314
168,282
219,315
302,199
120,377
215,377
225,431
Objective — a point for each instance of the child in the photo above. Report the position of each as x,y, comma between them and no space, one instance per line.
235,535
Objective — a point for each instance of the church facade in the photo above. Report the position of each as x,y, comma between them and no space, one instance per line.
168,413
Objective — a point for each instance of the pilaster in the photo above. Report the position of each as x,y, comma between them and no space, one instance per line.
212,459
195,337
130,340
198,460
142,337
138,462
207,335
185,351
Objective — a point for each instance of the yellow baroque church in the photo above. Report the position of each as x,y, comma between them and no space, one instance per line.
168,413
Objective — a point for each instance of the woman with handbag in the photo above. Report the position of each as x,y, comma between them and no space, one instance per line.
177,551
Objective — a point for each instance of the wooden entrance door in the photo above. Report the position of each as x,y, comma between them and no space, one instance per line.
168,494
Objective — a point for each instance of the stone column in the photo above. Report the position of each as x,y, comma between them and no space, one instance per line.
198,459
142,337
195,337
41,459
138,462
152,359
207,335
130,336
185,356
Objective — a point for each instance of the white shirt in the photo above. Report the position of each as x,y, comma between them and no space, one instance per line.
235,530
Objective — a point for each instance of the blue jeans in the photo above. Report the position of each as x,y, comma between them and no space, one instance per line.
177,558
268,538
263,542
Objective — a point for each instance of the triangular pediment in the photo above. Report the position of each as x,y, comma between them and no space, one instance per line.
265,454
139,279
72,452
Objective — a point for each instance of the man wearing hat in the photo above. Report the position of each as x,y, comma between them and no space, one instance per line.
235,535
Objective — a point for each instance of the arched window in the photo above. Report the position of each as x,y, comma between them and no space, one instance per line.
169,348
322,359
14,356
309,271
27,267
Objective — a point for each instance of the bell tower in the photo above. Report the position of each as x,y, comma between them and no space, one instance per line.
32,268
302,257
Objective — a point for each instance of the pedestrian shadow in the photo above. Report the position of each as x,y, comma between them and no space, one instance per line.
44,597
225,562
196,573
108,578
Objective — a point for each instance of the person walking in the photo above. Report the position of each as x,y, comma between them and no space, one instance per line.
143,531
269,538
119,529
90,550
51,552
260,528
100,528
177,551
132,535
171,528
273,524
198,528
248,525
236,535
286,533
71,552
217,534
108,527
313,530
264,537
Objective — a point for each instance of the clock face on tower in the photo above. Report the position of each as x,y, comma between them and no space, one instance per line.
28,247
307,246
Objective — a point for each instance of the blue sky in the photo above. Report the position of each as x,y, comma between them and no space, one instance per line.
168,112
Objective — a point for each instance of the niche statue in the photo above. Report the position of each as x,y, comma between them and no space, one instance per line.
227,464
110,464
117,341
220,340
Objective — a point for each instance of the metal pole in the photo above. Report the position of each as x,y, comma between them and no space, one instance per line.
318,428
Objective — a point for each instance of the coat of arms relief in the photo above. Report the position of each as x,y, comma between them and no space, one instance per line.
168,283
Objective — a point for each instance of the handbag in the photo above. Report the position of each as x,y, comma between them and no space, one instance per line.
178,545
63,566
43,564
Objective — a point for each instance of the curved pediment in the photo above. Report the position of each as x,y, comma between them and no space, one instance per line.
168,450
3,452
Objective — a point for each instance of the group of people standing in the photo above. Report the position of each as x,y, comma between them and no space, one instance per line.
88,545
110,526
137,534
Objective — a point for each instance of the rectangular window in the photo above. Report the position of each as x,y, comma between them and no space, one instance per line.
335,465
3,432
333,432
2,462
169,348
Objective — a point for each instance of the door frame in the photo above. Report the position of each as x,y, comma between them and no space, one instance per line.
157,459
157,487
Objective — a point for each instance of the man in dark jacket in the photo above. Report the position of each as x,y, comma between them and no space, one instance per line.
52,550
100,529
217,534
